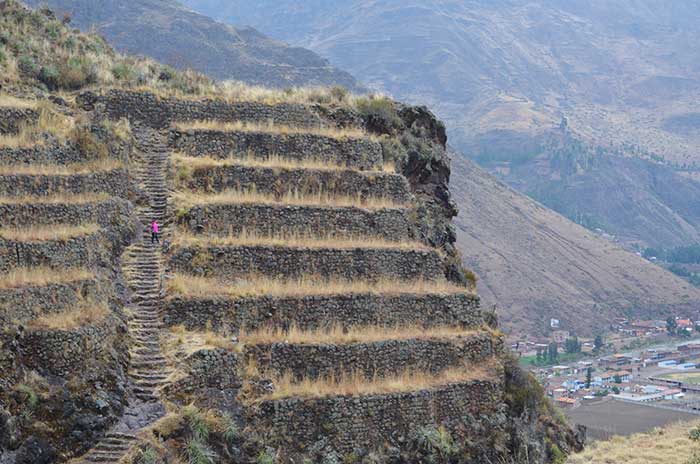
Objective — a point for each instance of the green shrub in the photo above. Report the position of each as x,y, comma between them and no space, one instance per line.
52,30
199,427
231,432
123,72
379,111
148,456
27,65
3,56
31,398
199,453
694,433
266,456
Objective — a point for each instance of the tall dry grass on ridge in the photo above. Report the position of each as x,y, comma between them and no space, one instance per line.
253,286
356,384
55,232
86,313
270,128
58,199
41,276
293,240
50,122
667,445
272,161
341,335
185,199
101,165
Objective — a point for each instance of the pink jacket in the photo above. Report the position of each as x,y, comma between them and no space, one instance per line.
154,227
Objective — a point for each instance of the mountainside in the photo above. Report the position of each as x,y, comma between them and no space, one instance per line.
198,272
504,75
536,265
177,36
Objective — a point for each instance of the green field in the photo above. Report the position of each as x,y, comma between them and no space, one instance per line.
687,377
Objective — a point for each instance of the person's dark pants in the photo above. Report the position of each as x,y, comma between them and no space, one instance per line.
154,237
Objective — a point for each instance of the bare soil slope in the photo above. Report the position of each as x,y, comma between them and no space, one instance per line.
539,265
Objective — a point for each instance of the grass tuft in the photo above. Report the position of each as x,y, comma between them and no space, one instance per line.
45,233
294,240
356,383
270,128
185,200
86,314
101,165
41,276
253,285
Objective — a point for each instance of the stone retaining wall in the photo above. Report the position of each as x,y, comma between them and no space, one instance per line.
272,181
85,251
62,154
389,224
313,312
361,153
21,305
12,119
157,112
112,212
115,182
63,352
469,409
289,263
382,358
207,369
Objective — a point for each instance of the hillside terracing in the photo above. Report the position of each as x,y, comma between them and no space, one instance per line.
305,301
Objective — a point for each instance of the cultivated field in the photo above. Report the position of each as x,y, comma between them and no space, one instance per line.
608,417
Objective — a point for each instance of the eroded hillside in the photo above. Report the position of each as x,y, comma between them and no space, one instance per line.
305,300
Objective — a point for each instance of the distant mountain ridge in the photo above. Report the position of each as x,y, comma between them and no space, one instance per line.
505,74
169,32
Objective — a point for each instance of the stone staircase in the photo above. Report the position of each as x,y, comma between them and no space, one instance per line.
141,264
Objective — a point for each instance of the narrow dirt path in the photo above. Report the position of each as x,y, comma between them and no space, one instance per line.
141,264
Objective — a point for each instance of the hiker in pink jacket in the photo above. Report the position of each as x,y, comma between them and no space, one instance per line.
154,232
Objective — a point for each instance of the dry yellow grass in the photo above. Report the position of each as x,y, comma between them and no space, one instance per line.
271,161
179,342
341,335
270,128
8,101
101,165
49,122
185,200
85,314
357,384
253,285
669,445
49,232
293,240
78,199
40,276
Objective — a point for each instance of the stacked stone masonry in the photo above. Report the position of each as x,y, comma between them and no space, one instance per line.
382,358
12,119
289,262
369,422
158,112
386,223
115,182
314,312
280,181
359,153
20,305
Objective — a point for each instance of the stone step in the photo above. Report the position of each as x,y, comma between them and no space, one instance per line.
276,181
222,219
317,311
291,262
